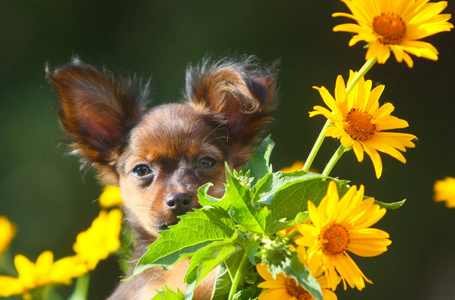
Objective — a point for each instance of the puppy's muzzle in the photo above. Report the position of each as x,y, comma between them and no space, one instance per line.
178,203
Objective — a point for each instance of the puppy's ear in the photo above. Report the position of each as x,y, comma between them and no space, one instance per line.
239,96
96,111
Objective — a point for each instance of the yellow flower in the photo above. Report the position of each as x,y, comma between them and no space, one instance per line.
45,271
297,166
340,226
286,288
444,190
7,233
395,26
101,239
10,286
110,197
359,122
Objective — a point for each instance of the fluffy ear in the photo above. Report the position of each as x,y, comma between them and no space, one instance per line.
96,111
239,95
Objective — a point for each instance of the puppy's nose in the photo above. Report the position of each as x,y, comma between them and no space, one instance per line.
178,203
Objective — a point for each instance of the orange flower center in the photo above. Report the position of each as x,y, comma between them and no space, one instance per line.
296,290
390,28
334,238
358,125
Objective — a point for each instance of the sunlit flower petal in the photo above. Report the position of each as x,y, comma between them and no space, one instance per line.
7,233
361,123
345,229
101,239
286,288
396,26
444,190
110,197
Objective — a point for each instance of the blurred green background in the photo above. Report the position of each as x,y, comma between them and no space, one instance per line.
51,200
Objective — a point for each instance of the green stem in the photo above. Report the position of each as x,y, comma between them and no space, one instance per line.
239,275
316,147
81,288
365,68
335,157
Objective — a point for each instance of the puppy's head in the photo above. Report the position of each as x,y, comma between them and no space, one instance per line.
160,157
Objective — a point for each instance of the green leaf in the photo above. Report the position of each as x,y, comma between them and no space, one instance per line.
195,230
266,188
206,259
282,224
259,165
292,267
292,197
206,200
240,208
237,201
168,294
248,293
393,205
222,284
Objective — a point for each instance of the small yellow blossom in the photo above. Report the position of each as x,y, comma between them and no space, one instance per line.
10,286
7,233
101,239
359,122
341,225
110,197
297,166
286,288
395,26
44,272
444,190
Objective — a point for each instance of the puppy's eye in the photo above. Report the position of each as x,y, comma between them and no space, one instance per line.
142,170
206,162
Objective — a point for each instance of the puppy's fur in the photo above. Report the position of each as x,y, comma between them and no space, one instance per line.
160,157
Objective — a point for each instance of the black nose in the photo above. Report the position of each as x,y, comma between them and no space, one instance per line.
178,203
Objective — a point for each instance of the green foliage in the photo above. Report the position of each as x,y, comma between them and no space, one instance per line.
238,231
260,165
392,205
194,231
168,294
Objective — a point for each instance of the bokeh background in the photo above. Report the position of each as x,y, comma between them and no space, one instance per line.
50,199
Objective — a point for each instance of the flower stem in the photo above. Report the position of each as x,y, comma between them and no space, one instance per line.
81,289
365,68
335,157
239,275
316,147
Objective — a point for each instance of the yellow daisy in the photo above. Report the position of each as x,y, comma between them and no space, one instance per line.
340,226
444,190
44,272
101,239
359,122
286,288
395,26
110,197
7,233
10,286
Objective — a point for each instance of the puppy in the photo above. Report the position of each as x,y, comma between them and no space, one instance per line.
160,157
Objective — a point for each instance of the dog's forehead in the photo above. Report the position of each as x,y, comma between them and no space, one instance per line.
170,132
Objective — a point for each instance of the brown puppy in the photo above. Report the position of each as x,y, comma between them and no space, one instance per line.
160,157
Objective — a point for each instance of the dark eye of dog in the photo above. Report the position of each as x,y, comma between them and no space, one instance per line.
206,162
142,170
